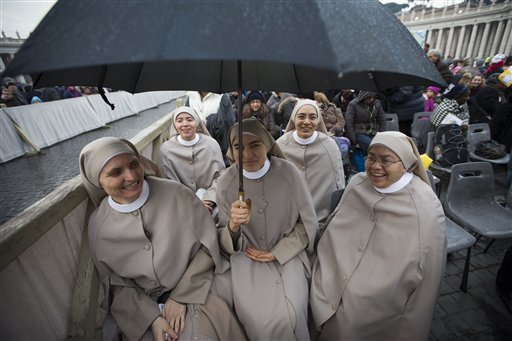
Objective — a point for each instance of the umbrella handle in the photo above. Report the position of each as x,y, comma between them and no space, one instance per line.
241,196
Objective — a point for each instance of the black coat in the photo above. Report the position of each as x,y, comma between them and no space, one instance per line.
501,125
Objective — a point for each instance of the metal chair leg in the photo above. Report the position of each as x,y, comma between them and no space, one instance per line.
465,274
489,245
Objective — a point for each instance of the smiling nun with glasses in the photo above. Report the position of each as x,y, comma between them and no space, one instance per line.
381,258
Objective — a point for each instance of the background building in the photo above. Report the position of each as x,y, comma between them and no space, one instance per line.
474,28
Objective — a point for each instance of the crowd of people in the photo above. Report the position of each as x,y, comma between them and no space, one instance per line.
15,94
181,254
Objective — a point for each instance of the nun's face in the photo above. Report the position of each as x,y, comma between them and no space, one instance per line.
306,121
254,152
186,126
122,178
383,167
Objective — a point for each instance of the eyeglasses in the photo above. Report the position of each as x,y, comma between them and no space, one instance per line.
370,160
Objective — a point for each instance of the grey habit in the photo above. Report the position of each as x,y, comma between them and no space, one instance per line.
320,162
169,245
197,166
271,299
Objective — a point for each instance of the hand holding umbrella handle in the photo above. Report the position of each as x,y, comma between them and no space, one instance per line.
240,213
241,196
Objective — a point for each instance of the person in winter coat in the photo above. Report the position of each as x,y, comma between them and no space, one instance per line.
255,107
430,101
501,124
219,124
331,115
454,103
444,70
343,98
405,101
204,103
283,111
381,259
482,106
363,119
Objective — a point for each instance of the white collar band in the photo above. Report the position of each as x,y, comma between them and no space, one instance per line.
188,143
398,185
302,141
133,206
259,173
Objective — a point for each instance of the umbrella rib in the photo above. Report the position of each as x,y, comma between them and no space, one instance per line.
220,78
138,77
296,78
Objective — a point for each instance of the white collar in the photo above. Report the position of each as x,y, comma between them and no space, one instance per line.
259,173
396,186
133,206
302,141
188,143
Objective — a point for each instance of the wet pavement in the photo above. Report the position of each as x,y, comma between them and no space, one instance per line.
478,314
25,180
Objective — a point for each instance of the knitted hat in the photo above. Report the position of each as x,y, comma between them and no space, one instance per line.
254,96
457,91
434,89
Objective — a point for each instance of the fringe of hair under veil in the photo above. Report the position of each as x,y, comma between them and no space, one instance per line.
300,103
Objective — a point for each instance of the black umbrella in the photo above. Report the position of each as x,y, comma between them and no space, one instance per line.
220,46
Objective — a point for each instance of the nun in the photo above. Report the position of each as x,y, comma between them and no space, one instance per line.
152,243
316,155
382,256
191,156
268,241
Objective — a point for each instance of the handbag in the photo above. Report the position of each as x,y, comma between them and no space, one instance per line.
490,150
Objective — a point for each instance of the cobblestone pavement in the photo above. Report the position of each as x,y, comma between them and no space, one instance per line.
478,314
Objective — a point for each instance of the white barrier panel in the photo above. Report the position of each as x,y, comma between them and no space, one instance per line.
146,100
51,122
11,145
123,106
36,289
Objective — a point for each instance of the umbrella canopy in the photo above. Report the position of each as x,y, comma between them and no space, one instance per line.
294,46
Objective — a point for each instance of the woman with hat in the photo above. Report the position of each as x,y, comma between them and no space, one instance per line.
316,155
255,107
269,241
191,156
454,103
381,258
152,242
